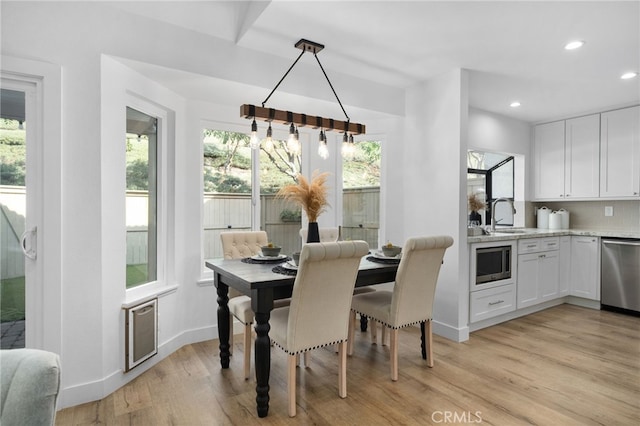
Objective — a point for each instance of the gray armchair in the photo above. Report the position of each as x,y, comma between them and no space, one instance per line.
29,386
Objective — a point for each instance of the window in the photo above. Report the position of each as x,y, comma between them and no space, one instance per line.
230,185
491,176
361,193
141,198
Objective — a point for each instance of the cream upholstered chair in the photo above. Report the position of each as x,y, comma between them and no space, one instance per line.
319,312
238,245
331,234
327,235
411,301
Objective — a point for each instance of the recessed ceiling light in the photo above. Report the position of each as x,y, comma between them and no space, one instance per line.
628,75
574,45
515,104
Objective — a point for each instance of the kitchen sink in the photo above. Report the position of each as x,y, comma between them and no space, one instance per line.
514,231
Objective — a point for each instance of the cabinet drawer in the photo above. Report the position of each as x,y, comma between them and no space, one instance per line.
492,302
534,245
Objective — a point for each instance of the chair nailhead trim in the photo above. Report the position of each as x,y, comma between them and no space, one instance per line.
308,349
390,326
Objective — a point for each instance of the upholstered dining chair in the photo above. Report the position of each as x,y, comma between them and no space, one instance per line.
327,235
238,245
319,311
331,234
411,301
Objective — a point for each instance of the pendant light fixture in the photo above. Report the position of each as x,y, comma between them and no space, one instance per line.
296,120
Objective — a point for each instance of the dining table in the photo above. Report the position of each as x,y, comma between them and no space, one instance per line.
265,282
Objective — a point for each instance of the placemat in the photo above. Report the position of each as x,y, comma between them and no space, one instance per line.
386,261
284,271
250,260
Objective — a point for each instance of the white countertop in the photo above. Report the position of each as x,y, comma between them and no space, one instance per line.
535,233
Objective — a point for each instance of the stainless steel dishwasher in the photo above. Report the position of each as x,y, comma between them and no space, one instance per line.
620,275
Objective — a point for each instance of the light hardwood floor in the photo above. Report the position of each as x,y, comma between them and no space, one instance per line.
563,366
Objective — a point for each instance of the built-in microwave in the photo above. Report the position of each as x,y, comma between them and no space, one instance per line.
492,264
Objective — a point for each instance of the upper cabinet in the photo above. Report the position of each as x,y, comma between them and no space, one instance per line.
567,159
548,160
582,157
591,157
620,153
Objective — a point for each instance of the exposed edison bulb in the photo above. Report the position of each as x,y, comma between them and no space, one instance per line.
323,151
291,141
348,147
268,144
254,141
347,152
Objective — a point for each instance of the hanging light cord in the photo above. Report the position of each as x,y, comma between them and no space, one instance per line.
283,77
331,85
323,72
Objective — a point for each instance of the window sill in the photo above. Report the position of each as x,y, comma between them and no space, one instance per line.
137,298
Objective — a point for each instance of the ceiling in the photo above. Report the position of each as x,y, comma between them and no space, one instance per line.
514,50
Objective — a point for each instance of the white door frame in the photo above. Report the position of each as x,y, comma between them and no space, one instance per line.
42,85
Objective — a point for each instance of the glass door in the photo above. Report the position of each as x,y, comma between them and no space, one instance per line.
18,235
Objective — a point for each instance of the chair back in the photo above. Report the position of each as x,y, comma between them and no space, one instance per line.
241,244
237,245
321,298
327,235
415,285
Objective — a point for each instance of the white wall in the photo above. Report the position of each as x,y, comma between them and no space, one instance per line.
434,185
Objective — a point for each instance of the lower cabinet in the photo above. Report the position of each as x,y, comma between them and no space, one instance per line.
564,278
492,302
538,271
585,267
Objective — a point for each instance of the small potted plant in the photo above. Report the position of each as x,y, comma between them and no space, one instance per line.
476,203
311,195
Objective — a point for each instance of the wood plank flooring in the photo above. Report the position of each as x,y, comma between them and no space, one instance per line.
563,366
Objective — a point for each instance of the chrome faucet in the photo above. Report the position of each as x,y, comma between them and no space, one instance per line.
493,211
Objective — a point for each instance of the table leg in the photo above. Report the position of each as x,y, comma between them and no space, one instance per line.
223,322
422,342
363,323
262,362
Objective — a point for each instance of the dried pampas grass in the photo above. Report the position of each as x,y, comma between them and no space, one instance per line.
310,195
476,203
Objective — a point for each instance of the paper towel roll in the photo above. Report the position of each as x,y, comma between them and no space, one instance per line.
543,218
555,220
565,218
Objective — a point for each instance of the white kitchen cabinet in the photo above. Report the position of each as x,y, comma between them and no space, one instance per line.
538,271
582,157
564,267
492,302
548,159
567,159
620,153
585,267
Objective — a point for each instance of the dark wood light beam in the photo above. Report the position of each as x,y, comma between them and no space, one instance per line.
300,120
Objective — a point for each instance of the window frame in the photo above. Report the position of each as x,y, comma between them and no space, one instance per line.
163,142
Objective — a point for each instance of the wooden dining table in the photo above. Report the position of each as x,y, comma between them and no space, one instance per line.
263,285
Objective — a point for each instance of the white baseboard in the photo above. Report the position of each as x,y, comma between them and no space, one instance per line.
450,332
93,391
